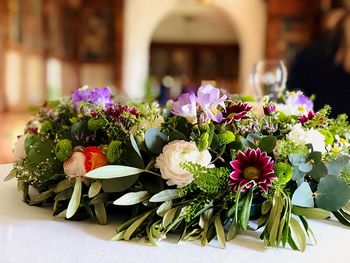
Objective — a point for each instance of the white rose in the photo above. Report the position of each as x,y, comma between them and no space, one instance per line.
175,153
75,166
302,137
19,151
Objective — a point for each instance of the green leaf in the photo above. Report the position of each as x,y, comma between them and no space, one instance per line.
119,184
40,197
314,157
176,135
134,145
165,207
152,183
318,171
267,143
232,231
308,230
118,236
245,212
169,217
303,196
341,218
74,201
297,234
63,185
336,166
100,212
220,233
165,195
332,193
11,175
314,213
149,235
298,175
155,140
132,198
95,188
305,167
113,171
132,228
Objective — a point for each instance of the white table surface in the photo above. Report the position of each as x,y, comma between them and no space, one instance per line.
30,234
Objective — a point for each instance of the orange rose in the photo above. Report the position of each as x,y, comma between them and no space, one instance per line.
94,158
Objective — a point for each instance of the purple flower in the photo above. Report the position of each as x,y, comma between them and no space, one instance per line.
299,100
97,96
252,167
269,109
209,99
186,107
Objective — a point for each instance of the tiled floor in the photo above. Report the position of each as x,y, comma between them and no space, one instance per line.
11,125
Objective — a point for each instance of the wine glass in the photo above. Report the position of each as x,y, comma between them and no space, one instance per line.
268,78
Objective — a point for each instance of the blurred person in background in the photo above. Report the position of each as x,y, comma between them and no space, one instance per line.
323,68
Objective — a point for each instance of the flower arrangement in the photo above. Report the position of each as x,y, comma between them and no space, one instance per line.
203,167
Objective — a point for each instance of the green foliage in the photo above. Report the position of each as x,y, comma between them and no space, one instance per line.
285,148
46,127
96,124
320,120
339,126
328,136
284,172
63,150
114,151
225,137
211,181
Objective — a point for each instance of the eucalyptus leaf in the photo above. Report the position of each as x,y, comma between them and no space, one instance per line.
314,157
100,212
332,193
318,171
74,201
298,176
113,171
94,188
303,196
305,167
165,195
335,167
220,233
297,159
132,198
155,140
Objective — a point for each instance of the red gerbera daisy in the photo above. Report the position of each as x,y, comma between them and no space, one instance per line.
237,111
253,167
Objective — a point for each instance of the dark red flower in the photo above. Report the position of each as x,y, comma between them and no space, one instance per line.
253,167
237,111
306,118
269,109
116,110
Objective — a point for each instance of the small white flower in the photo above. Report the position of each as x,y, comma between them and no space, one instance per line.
175,153
302,137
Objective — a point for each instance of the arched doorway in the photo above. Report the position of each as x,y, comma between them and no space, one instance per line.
193,43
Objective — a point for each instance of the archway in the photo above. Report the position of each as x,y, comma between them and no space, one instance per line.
143,17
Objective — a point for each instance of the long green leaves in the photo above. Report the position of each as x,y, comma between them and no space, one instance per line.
74,201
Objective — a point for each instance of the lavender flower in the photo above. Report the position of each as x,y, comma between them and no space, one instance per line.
209,99
97,96
186,107
298,99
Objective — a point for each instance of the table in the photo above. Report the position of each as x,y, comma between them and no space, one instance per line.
30,234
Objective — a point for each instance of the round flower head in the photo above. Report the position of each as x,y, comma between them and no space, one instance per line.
252,167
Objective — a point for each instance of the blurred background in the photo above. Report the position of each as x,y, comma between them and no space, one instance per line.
141,49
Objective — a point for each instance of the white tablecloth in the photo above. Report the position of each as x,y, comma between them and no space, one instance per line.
30,234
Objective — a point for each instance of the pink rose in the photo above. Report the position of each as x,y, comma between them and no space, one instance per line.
19,151
74,166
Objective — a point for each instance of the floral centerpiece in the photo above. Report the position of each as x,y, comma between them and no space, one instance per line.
205,166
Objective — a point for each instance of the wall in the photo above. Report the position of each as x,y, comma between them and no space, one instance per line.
248,17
